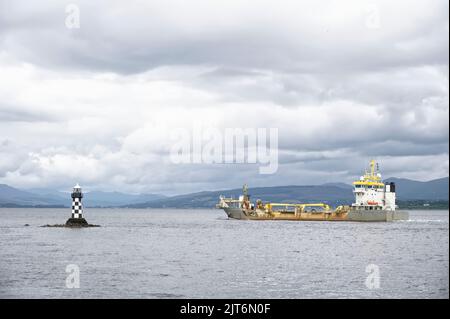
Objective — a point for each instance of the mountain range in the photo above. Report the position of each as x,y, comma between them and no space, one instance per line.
11,197
331,193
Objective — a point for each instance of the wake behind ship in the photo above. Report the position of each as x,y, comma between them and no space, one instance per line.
374,202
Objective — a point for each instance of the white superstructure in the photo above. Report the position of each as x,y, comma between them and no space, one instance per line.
371,193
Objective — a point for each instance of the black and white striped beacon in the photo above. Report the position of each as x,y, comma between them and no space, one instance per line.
77,206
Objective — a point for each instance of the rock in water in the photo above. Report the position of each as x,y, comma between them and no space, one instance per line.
71,225
77,222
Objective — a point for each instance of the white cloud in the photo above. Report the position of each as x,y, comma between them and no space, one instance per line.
95,105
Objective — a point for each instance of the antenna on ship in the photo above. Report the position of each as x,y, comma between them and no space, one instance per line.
372,167
245,189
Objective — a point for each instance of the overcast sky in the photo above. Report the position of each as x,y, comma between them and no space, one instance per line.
343,81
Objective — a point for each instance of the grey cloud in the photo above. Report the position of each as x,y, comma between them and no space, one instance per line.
138,39
12,114
339,92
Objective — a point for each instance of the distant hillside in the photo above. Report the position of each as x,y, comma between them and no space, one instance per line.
423,204
10,196
115,199
341,185
13,197
414,190
332,195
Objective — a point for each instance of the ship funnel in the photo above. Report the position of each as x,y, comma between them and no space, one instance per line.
392,187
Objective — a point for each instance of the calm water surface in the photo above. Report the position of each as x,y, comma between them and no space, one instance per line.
164,253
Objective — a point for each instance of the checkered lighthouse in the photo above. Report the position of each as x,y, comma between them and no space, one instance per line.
77,206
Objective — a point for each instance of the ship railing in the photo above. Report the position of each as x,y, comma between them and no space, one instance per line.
297,207
228,202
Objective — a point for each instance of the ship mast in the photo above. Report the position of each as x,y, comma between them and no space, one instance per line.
372,167
245,189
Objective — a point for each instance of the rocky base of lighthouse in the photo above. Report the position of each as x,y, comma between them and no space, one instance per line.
77,222
74,223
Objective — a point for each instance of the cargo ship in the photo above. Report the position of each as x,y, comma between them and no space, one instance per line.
374,202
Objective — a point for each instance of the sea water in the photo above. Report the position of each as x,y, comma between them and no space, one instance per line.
174,253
